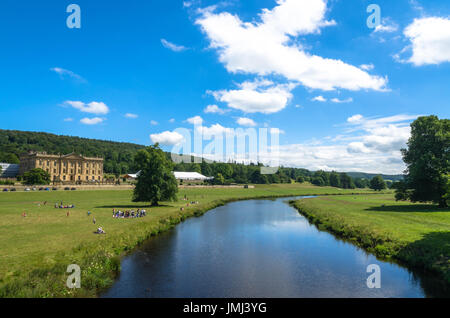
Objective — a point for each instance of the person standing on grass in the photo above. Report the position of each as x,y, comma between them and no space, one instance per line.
67,213
94,220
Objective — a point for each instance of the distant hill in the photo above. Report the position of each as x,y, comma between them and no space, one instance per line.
118,155
363,175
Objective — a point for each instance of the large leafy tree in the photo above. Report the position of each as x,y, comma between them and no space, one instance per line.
346,182
335,180
36,176
156,181
377,183
428,162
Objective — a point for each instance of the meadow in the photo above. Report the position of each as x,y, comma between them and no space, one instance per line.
417,235
35,250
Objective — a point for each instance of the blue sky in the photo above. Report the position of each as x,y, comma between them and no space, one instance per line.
342,94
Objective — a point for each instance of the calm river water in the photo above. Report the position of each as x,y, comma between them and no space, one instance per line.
258,248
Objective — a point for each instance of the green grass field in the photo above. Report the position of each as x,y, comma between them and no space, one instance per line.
36,250
415,234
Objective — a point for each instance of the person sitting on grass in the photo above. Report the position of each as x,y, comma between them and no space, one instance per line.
100,231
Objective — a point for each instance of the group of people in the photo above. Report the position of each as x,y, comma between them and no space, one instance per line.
62,206
129,214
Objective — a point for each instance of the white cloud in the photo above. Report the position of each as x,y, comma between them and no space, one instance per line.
372,145
67,73
196,120
430,41
130,115
385,134
167,138
154,123
243,121
172,46
214,130
367,67
260,96
387,26
264,47
92,121
342,101
97,108
355,118
68,119
213,109
171,120
319,99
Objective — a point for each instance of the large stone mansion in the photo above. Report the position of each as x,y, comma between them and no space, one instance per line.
71,168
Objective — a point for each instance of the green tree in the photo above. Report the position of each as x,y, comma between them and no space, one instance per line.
428,161
156,181
377,183
219,179
346,182
300,179
335,180
361,183
36,176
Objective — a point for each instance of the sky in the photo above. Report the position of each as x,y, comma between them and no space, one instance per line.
342,92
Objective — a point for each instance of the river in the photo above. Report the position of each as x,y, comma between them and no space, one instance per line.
258,248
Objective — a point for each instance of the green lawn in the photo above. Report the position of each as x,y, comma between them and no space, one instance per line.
36,250
416,234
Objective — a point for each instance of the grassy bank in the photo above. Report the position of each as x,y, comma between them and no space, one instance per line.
36,250
417,235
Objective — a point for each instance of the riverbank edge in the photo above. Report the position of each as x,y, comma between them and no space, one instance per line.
100,264
383,247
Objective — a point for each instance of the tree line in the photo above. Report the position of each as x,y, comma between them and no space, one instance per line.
118,156
232,172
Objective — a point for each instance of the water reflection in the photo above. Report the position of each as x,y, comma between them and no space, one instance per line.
257,248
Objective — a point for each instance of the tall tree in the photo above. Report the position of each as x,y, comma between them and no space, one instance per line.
156,181
335,179
377,183
346,181
428,162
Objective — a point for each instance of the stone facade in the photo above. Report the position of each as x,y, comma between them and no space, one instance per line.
71,168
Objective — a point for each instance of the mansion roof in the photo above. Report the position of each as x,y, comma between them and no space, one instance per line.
44,155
